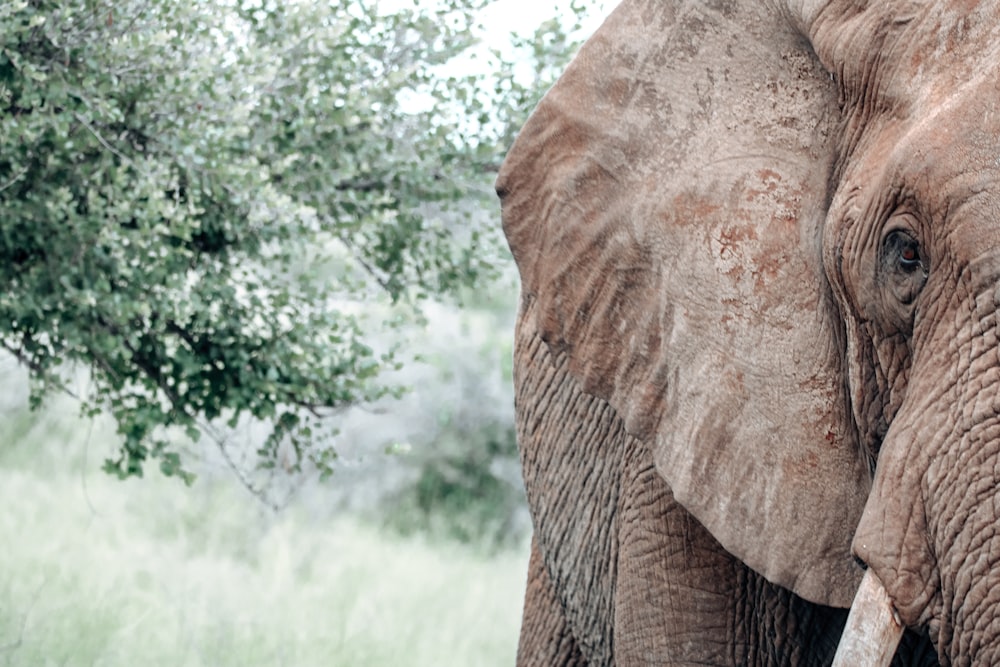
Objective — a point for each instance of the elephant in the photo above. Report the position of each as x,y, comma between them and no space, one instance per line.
757,351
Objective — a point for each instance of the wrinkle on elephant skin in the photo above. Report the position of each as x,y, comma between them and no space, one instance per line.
628,576
547,639
759,246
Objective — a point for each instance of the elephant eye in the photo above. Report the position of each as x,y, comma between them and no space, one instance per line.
909,257
905,267
904,250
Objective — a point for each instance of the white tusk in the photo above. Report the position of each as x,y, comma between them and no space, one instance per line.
873,628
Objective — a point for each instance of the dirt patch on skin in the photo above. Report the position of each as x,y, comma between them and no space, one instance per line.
691,209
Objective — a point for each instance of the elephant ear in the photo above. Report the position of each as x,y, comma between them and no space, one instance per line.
664,205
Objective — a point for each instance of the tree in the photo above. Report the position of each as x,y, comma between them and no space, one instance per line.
195,197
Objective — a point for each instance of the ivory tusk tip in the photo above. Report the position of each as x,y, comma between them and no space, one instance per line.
873,628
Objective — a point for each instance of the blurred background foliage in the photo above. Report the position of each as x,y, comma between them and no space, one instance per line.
215,206
255,244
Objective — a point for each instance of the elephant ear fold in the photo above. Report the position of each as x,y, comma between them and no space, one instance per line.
664,206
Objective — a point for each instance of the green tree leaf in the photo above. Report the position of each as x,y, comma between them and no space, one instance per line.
200,200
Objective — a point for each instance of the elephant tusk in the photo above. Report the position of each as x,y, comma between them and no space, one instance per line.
873,628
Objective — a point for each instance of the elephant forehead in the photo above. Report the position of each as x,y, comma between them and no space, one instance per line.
941,159
948,161
954,131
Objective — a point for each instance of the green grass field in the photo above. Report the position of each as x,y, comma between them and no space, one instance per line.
94,571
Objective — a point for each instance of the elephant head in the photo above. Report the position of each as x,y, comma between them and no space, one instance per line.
769,236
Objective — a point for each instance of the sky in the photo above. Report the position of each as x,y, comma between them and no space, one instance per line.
502,17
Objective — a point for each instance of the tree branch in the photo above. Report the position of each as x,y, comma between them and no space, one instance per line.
14,180
83,121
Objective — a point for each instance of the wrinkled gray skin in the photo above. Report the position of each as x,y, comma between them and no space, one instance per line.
759,246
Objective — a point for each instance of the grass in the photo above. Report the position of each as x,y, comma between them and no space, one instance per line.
94,571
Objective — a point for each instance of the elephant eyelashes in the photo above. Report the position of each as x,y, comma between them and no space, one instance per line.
904,267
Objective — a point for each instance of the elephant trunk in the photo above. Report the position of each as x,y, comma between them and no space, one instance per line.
929,531
964,620
939,556
873,628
